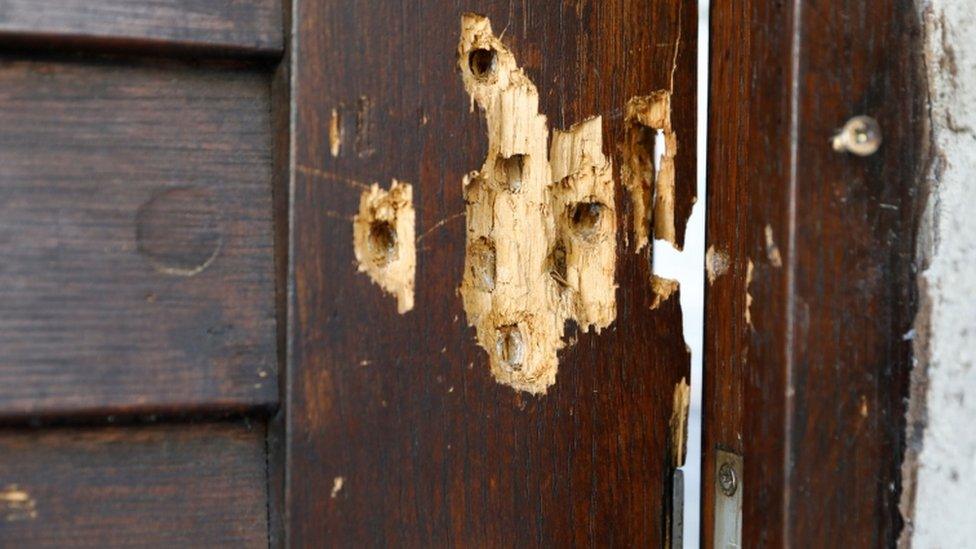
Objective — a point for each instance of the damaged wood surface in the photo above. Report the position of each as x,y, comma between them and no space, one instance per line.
811,275
431,449
649,173
384,241
541,225
679,422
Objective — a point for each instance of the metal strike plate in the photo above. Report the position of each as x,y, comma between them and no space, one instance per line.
677,509
728,500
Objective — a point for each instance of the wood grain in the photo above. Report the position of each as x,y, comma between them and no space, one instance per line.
431,450
250,27
200,485
809,387
136,237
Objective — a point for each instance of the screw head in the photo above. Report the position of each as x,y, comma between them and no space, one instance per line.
727,479
861,135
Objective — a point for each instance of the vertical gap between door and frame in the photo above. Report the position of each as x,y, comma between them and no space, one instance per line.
688,268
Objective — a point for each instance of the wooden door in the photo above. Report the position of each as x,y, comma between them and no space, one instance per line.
191,351
399,427
321,273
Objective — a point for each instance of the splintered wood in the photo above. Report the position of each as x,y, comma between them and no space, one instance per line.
383,239
541,225
663,289
651,188
679,422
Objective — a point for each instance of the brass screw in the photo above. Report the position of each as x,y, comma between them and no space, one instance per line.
861,135
727,479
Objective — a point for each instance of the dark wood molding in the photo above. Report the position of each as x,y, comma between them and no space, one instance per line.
807,370
250,28
282,107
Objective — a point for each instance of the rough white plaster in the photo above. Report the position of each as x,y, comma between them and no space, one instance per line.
945,488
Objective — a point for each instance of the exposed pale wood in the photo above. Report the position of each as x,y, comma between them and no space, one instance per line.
541,225
200,485
136,237
384,240
228,26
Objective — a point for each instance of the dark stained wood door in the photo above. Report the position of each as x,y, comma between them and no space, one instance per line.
191,352
395,430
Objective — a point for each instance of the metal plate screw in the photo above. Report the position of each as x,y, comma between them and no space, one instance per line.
727,479
861,135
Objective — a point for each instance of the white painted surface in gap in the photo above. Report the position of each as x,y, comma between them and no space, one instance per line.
660,147
688,268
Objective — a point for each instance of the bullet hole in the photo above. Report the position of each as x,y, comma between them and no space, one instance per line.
482,256
382,242
482,62
473,188
510,347
586,218
512,168
545,276
557,264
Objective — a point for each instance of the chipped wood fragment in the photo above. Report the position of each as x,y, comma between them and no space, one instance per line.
772,250
383,239
541,224
651,188
337,484
335,133
17,504
679,422
716,264
663,289
748,308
